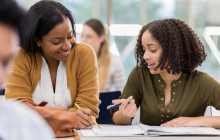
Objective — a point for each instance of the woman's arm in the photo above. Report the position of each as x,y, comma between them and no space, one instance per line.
205,121
120,119
87,79
124,113
19,84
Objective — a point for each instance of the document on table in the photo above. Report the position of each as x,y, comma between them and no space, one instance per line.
141,129
124,130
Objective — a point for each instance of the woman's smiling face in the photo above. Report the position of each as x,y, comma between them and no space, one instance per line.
58,42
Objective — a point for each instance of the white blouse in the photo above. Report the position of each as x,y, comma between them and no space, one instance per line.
44,90
116,76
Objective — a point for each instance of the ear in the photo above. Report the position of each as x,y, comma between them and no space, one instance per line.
102,38
37,41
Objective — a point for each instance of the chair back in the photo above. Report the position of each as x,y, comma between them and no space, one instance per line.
106,98
2,91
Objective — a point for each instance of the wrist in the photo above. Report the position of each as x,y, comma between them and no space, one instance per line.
205,121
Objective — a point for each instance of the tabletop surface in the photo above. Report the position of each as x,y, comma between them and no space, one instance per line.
144,137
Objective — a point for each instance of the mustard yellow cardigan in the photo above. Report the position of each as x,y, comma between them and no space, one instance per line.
82,77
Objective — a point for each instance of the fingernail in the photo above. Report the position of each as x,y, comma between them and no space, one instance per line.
131,97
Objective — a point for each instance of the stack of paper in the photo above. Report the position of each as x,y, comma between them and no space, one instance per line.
141,129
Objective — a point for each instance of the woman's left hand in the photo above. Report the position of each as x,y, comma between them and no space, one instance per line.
184,122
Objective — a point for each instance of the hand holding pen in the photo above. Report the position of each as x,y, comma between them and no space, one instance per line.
85,118
127,107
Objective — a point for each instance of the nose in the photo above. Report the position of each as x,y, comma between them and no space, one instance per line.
68,44
146,56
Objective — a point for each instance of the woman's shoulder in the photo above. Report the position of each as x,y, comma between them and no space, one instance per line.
140,68
199,74
115,60
82,52
82,48
140,71
24,57
202,77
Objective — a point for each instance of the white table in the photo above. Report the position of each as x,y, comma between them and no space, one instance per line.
144,137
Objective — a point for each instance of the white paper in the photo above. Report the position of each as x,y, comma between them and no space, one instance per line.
87,132
208,130
139,130
166,129
125,130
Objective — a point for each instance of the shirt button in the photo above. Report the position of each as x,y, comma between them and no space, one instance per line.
168,110
161,115
161,104
174,93
161,120
159,80
179,81
162,85
162,109
167,116
170,104
173,100
174,85
161,92
162,99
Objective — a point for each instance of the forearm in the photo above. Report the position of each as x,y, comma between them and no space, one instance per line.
210,121
120,119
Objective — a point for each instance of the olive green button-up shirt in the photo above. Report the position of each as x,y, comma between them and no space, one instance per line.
190,95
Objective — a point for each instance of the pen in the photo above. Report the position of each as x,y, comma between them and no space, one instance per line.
117,105
87,114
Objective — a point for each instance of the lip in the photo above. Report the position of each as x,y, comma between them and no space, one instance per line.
64,54
151,66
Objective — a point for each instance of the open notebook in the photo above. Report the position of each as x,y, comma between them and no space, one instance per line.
141,129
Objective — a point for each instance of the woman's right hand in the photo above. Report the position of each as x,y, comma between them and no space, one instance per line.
125,108
84,117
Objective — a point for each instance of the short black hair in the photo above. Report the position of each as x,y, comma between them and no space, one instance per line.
11,14
41,18
181,46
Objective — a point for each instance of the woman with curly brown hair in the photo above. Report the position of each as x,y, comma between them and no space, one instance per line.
165,84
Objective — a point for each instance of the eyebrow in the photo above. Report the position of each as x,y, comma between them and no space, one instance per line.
151,44
61,37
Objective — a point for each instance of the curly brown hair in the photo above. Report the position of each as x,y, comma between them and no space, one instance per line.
181,47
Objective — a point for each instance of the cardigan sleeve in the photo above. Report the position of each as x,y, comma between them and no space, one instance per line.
18,83
209,90
87,82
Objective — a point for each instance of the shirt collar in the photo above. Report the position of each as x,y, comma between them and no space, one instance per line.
173,84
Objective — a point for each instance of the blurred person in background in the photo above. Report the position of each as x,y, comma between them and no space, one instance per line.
17,121
111,73
52,67
165,82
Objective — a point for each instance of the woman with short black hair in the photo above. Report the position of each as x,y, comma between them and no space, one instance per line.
165,83
52,67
